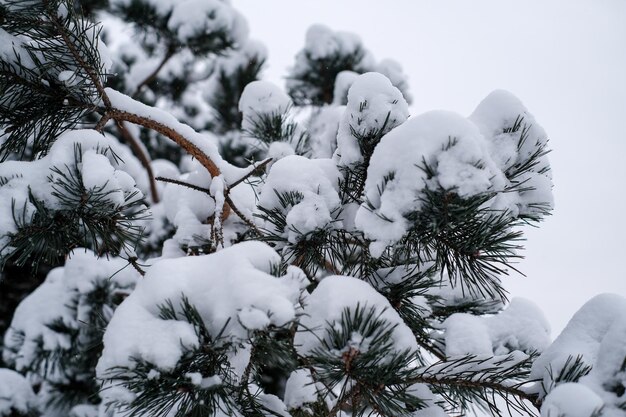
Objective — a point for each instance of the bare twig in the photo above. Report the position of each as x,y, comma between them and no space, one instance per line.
102,122
250,223
249,174
184,184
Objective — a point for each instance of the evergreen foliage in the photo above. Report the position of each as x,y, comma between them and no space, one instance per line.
277,280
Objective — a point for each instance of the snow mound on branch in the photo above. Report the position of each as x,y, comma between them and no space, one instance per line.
374,105
16,395
393,70
63,297
301,389
262,99
191,18
102,168
396,178
514,137
571,400
597,336
136,330
314,183
323,46
466,334
321,42
325,306
521,326
343,82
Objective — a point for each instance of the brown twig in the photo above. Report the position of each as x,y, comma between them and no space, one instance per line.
250,223
184,184
141,155
249,174
172,134
102,122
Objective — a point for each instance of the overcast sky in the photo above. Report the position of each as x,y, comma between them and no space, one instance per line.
565,59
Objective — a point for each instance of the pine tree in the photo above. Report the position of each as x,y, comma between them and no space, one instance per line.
210,245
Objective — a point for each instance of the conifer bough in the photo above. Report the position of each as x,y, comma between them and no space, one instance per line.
214,245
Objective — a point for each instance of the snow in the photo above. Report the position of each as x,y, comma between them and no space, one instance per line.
583,335
16,395
521,326
300,389
203,143
496,115
571,400
100,169
466,335
374,105
279,150
193,18
316,181
596,334
321,42
393,70
343,82
445,141
64,297
136,331
323,126
261,99
325,306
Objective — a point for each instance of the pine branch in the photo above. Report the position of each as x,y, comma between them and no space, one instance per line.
67,36
476,381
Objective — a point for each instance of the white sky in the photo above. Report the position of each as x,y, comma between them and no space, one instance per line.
566,60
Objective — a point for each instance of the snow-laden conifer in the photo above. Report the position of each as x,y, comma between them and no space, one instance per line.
315,251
